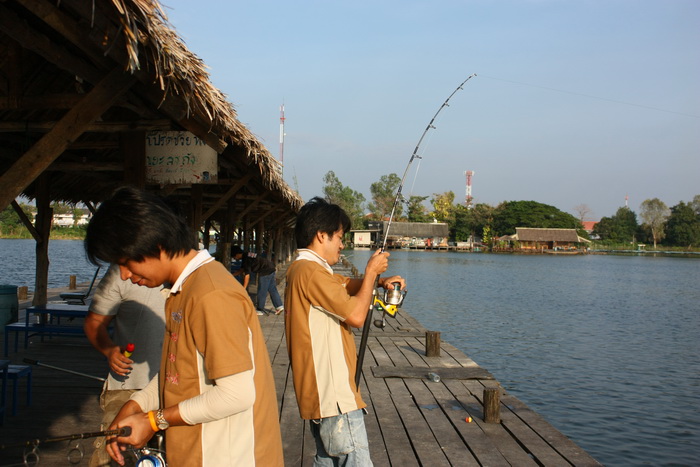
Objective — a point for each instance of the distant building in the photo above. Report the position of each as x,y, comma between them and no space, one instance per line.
403,234
68,220
588,226
549,240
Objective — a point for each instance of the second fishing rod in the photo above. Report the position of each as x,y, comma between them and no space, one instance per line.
393,298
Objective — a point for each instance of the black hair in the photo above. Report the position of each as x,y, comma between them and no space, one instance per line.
134,225
318,215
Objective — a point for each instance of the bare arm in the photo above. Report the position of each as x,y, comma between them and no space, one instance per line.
96,329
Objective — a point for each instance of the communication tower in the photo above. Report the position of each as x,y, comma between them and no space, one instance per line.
282,136
468,199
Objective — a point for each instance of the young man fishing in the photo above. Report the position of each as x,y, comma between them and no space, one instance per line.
214,395
321,309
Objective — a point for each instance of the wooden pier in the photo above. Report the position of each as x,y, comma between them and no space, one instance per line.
412,420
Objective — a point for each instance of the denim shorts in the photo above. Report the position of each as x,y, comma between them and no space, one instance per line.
341,440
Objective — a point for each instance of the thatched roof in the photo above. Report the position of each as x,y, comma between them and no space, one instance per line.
527,234
80,84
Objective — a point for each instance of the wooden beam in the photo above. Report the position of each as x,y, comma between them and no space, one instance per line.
85,167
50,101
98,127
38,158
65,26
252,205
25,220
18,29
231,191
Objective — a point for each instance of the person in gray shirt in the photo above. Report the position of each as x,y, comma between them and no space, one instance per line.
138,316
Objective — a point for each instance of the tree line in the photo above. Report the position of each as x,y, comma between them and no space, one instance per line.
12,227
675,226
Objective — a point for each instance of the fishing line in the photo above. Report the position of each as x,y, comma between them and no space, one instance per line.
368,319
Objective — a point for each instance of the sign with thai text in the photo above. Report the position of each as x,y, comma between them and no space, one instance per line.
176,157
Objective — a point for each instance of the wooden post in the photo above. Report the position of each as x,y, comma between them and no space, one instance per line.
492,405
43,227
432,343
22,292
72,283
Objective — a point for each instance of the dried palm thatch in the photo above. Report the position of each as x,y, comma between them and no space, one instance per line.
150,39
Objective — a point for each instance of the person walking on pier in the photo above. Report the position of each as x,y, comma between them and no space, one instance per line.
321,309
214,395
267,282
138,316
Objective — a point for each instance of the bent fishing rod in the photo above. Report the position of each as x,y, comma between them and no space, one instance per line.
395,298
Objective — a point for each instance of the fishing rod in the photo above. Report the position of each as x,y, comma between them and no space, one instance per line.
121,432
393,298
38,363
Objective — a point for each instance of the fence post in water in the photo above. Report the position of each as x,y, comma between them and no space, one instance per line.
71,283
432,343
23,292
492,406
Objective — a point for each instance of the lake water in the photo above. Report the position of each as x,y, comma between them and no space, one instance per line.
606,348
66,258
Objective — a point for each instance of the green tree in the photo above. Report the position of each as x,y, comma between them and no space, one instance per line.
511,214
416,210
654,213
620,228
695,203
10,223
383,195
463,226
443,207
683,226
62,208
470,222
350,200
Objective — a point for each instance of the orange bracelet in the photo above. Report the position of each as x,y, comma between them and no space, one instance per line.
152,419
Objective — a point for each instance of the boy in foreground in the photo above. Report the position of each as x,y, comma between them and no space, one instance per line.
214,395
321,309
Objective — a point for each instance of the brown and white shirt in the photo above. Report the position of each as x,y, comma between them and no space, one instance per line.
321,346
212,331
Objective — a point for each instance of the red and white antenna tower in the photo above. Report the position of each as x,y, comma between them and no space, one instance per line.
627,198
468,200
282,135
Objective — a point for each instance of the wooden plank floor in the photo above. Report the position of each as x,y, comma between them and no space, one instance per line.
412,421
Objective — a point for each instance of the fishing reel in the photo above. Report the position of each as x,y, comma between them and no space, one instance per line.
153,454
393,299
147,457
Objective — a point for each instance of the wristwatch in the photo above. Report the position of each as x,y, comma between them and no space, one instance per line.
161,421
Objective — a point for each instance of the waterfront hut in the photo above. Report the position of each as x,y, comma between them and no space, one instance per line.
546,240
95,95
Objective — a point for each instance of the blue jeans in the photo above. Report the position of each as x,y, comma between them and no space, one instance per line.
341,441
268,284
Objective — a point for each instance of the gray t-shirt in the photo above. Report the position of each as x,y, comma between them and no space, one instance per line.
139,318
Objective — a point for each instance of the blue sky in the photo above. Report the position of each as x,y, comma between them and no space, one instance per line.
574,102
